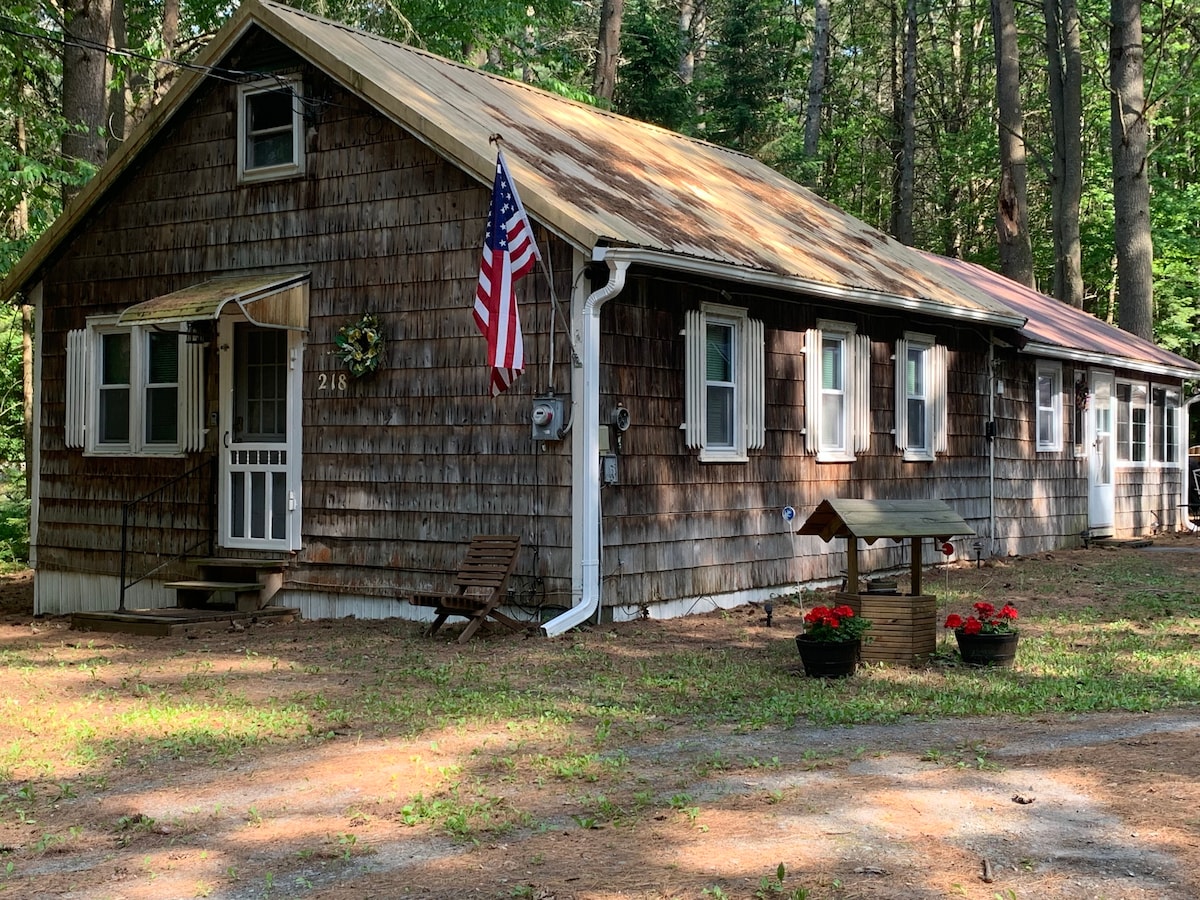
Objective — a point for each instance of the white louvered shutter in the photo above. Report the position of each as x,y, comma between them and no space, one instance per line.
77,388
694,374
754,379
191,397
901,430
812,390
939,362
860,407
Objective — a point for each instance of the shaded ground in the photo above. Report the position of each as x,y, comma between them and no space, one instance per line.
1092,806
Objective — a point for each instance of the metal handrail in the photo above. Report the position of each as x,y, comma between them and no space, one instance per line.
198,485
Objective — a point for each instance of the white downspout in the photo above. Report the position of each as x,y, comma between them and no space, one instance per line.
585,454
991,386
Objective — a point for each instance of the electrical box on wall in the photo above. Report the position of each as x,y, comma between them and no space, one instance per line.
608,468
547,418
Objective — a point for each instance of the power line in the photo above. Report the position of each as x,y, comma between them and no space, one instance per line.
232,76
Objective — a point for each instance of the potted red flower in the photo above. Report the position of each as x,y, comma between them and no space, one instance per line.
988,637
831,642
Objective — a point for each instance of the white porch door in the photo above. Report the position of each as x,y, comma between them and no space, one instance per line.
1101,451
259,504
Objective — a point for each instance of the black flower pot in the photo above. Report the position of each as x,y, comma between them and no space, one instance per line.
987,649
828,659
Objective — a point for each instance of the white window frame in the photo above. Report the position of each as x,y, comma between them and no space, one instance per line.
748,385
1165,452
854,423
84,377
1048,417
934,359
249,173
1124,418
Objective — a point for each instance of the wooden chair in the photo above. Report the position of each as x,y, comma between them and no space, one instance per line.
479,586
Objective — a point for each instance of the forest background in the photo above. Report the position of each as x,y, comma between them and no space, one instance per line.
1056,142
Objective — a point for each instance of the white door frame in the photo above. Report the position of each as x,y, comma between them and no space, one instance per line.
259,458
1101,450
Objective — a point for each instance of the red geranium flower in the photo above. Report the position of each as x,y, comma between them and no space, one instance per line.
987,620
838,624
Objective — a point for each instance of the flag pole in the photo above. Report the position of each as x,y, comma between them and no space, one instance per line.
556,307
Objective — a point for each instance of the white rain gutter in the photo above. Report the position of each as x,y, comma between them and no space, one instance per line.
585,453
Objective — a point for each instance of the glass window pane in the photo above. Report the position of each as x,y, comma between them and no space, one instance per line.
916,424
162,415
832,435
258,504
720,416
271,150
269,109
831,364
278,505
114,366
164,357
719,353
114,415
237,504
914,376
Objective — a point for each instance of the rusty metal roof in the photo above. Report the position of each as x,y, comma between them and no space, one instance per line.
1056,329
595,178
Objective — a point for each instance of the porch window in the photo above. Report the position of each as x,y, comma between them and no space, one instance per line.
837,383
1133,421
724,403
270,129
1048,398
133,390
1164,424
920,397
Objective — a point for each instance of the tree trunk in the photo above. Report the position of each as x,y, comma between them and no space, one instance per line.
608,50
1131,185
687,57
1012,215
816,79
85,82
117,127
904,106
1065,69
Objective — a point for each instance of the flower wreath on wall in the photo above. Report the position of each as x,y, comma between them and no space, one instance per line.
360,345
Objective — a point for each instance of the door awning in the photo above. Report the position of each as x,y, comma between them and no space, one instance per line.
274,300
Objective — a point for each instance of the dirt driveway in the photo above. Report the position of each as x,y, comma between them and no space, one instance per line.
1089,806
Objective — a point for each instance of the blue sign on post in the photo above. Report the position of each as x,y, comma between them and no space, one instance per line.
788,514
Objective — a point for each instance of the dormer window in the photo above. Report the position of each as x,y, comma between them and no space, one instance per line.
270,130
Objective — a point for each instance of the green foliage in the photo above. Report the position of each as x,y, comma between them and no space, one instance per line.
650,87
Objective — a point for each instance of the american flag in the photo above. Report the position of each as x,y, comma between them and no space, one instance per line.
509,253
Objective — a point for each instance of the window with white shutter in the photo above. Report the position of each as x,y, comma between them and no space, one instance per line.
921,404
134,390
724,401
837,392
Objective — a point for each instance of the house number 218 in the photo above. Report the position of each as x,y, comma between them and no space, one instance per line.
327,382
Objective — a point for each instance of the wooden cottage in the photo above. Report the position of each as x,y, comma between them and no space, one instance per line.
712,342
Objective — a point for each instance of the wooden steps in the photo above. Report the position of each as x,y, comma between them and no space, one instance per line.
177,621
222,595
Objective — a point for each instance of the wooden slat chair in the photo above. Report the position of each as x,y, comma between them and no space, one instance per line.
479,586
